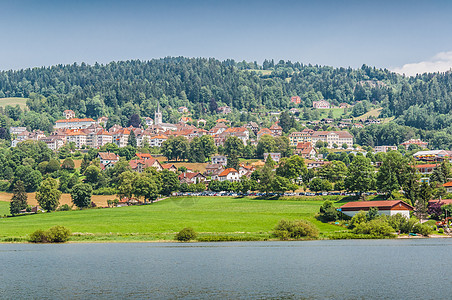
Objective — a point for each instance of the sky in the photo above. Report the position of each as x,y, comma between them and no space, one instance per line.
404,36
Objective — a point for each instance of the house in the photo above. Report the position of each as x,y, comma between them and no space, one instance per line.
448,186
306,150
157,141
53,142
224,110
212,168
276,130
144,156
252,126
149,121
202,121
182,110
294,111
295,99
169,167
276,157
107,158
262,132
191,177
230,175
77,137
69,114
431,155
426,168
332,138
139,165
417,142
385,148
389,208
17,130
186,119
322,104
74,123
219,159
102,121
316,164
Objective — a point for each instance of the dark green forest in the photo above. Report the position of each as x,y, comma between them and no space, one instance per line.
120,89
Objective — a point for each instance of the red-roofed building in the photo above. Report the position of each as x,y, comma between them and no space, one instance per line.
276,129
229,174
426,168
139,165
417,142
448,186
144,156
169,167
263,132
306,150
191,177
389,208
295,99
69,114
107,158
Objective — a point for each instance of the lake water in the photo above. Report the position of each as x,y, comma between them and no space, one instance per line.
351,269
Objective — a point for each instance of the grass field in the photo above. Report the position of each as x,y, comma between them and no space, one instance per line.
160,221
337,112
371,113
13,101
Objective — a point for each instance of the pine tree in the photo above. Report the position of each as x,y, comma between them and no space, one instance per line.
132,140
19,199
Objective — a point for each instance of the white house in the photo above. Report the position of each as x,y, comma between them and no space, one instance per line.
322,104
389,208
219,159
229,174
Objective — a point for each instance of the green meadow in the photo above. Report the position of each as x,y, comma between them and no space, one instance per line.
234,218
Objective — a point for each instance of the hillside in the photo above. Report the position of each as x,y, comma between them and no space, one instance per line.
13,101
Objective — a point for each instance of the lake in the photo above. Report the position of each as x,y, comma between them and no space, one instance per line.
347,269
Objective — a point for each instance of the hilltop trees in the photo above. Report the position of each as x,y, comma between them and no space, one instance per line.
360,176
81,195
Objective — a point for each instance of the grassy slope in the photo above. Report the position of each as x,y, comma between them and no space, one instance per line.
4,208
13,101
207,215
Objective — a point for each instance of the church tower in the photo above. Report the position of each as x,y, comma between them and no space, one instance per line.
158,116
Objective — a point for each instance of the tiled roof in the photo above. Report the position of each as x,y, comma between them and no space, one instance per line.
74,120
227,171
378,204
108,156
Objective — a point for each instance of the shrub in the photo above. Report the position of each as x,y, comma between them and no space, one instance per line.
295,229
59,234
105,191
328,212
399,222
56,234
4,185
422,229
64,207
185,235
39,236
440,230
360,217
376,227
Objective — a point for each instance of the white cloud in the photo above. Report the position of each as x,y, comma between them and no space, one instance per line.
441,62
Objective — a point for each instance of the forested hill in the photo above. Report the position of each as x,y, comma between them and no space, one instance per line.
120,88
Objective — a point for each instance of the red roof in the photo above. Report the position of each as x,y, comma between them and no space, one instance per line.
189,175
75,120
448,184
426,166
108,156
227,171
381,205
144,155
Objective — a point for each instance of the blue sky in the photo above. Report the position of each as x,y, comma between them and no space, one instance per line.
399,35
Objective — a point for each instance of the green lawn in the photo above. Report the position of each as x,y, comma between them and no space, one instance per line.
4,208
13,101
161,220
337,112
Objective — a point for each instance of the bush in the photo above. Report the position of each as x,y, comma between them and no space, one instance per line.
59,234
64,207
4,185
440,230
39,236
105,191
295,229
56,234
422,229
328,212
376,227
186,235
359,218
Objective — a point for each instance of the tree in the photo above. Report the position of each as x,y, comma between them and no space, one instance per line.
81,195
19,199
360,177
171,182
233,162
393,173
134,121
344,146
48,195
125,184
421,205
92,174
292,167
132,140
233,146
176,148
266,144
334,171
53,166
286,121
146,187
68,164
317,184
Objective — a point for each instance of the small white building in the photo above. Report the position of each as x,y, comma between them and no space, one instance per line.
276,157
230,175
322,104
219,159
385,149
388,208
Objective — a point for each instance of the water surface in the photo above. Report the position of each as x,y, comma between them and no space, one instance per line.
358,269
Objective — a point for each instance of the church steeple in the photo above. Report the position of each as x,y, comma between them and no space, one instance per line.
158,115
